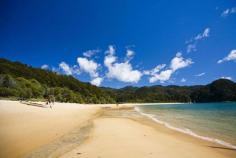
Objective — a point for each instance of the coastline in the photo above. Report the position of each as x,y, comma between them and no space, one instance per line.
187,131
124,133
103,130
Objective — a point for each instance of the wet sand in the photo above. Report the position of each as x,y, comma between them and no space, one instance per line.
125,133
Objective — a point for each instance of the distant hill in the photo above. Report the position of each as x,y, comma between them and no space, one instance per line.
23,81
217,91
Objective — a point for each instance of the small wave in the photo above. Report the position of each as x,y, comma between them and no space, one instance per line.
186,131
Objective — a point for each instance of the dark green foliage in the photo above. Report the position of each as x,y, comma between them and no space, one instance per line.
7,81
8,92
19,80
218,91
154,94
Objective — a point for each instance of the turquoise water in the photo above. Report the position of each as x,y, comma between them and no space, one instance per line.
210,121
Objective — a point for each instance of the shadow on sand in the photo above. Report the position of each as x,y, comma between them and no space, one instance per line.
34,104
224,148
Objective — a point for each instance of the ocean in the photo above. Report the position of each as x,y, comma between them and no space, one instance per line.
215,122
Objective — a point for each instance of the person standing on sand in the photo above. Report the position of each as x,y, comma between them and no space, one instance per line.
48,100
51,100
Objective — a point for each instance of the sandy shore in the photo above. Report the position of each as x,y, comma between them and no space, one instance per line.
26,127
123,133
93,131
116,138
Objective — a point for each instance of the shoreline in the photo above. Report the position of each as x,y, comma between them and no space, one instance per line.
108,129
187,131
81,126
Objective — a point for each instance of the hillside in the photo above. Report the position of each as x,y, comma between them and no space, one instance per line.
217,91
22,81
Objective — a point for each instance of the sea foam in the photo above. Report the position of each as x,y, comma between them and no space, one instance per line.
185,131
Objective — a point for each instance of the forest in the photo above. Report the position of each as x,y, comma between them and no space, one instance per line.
21,81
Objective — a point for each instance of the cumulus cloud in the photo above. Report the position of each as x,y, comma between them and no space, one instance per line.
162,76
201,74
97,81
178,62
90,53
91,67
122,71
192,43
230,57
65,68
228,78
45,66
228,11
88,66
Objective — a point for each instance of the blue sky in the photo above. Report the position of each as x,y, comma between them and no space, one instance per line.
120,43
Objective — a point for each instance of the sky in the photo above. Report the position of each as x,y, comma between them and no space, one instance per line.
127,42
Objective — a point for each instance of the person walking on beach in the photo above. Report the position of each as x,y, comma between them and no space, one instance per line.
52,99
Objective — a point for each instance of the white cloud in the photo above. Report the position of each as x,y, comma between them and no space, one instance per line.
124,72
111,50
129,53
90,53
109,58
228,78
192,43
97,81
183,80
88,66
162,76
228,11
201,74
154,70
178,62
45,66
230,57
205,34
121,71
65,68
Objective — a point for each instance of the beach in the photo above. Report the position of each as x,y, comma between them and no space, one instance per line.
25,127
93,131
